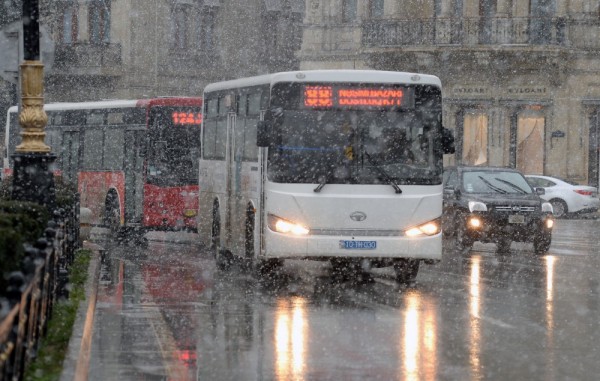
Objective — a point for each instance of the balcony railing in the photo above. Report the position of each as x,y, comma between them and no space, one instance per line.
81,55
556,31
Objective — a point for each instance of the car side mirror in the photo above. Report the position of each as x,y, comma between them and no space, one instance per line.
263,133
540,191
448,141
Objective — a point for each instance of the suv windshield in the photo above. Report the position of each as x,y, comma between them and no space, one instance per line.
495,182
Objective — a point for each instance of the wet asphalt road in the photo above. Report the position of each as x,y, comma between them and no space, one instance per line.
166,313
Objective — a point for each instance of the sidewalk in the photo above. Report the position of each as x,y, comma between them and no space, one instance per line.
75,365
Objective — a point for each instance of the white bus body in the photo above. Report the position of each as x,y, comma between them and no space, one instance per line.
359,208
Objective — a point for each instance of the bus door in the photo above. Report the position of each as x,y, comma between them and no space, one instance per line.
231,181
134,179
70,157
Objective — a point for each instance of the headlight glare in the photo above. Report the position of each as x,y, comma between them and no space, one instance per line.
428,228
475,222
280,225
549,223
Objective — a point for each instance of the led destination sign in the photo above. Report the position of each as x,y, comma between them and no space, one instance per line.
356,97
179,117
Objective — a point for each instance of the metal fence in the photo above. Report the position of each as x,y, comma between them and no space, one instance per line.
32,292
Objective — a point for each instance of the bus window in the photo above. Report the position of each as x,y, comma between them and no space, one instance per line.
221,138
210,138
113,152
92,152
250,148
114,118
53,138
94,119
254,104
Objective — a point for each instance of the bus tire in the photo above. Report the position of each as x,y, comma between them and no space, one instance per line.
215,233
112,214
406,270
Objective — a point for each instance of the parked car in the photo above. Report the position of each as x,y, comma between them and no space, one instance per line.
565,196
496,205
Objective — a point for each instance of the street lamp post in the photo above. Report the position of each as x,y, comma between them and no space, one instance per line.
33,179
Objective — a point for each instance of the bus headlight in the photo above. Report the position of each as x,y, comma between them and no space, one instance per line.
280,225
429,228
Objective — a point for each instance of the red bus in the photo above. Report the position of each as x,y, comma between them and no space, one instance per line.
134,162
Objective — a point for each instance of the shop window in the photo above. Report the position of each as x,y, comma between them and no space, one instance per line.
530,144
475,139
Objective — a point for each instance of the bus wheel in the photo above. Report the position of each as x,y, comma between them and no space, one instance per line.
112,214
215,234
249,241
406,270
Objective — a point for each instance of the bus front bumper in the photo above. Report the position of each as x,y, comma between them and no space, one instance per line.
284,246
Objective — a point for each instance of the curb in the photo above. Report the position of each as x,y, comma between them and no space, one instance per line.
76,362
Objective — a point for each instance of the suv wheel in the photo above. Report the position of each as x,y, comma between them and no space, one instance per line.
503,245
462,240
541,244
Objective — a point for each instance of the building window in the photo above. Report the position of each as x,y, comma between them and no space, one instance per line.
541,21
69,24
349,10
99,23
180,26
376,8
205,28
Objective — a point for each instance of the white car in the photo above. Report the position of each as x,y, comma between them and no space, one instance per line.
565,196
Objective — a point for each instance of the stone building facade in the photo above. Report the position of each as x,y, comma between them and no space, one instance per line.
521,79
147,48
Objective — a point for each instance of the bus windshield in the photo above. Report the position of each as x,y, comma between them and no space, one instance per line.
174,146
355,146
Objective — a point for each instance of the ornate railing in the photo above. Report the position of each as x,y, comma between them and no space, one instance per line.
27,303
557,31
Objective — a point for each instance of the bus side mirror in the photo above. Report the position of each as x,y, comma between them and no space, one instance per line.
263,133
447,141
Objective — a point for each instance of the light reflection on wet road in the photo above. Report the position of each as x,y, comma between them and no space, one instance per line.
167,314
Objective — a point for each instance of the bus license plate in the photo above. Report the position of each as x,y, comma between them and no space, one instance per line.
358,245
516,219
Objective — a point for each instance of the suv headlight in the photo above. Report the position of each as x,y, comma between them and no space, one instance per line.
476,206
547,207
280,225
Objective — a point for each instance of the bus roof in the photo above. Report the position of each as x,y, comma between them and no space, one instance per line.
342,76
120,103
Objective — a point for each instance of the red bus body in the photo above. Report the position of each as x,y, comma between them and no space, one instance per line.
125,158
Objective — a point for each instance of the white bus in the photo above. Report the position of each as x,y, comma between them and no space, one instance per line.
341,165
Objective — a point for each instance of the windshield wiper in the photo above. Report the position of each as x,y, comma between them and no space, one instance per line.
513,186
324,181
383,173
492,186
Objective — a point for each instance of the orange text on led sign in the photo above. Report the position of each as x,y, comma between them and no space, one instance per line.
370,97
187,118
326,96
318,96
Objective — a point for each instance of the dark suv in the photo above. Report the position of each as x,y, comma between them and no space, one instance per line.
498,205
